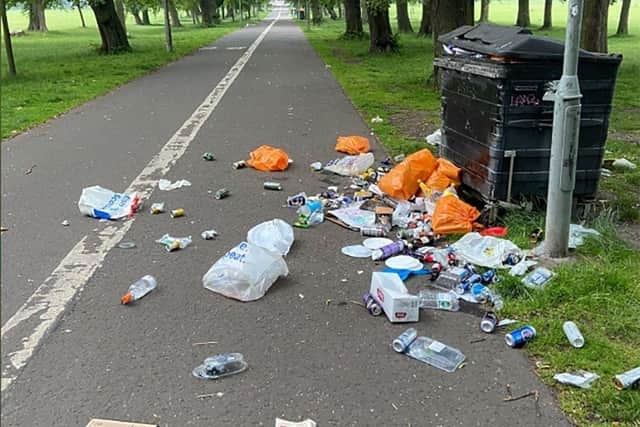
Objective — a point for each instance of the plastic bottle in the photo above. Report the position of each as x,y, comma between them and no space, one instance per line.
310,207
428,350
439,300
388,250
573,334
139,289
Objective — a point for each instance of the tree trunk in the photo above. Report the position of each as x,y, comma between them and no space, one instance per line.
484,10
425,22
207,10
547,22
339,10
594,25
316,12
231,13
122,15
446,15
136,16
352,19
145,17
331,12
194,15
84,25
523,14
380,35
623,23
364,13
168,38
7,40
404,23
37,19
175,17
114,38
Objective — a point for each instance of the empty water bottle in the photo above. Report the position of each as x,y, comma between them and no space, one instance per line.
439,300
573,334
139,289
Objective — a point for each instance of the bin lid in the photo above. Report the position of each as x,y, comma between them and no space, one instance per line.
513,42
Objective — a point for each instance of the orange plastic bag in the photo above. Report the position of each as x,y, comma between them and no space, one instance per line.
266,158
353,144
449,170
402,181
453,216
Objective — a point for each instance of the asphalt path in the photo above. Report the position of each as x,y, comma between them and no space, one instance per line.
311,353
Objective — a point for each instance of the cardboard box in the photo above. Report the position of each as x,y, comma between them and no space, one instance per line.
392,295
95,422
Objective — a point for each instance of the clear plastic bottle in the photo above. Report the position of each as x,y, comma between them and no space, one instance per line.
429,351
439,300
139,289
573,334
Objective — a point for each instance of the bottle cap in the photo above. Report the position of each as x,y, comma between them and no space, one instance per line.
126,299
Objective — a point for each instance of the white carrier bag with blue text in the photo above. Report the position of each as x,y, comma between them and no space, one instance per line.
102,203
245,273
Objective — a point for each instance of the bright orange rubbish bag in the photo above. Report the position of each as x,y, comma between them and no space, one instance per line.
402,181
453,216
353,144
445,175
267,158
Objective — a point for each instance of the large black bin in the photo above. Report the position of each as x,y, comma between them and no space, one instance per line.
493,111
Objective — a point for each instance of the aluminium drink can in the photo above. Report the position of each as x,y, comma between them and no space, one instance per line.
401,343
520,336
373,231
269,185
489,322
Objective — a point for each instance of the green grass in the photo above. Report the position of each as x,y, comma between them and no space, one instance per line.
600,288
62,68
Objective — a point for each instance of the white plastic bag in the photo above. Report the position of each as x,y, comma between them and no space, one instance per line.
245,273
485,251
275,236
351,165
100,202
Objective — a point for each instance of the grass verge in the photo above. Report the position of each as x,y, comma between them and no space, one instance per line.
62,68
599,289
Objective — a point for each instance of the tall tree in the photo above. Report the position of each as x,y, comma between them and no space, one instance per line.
425,22
546,23
402,12
594,25
623,22
7,39
37,18
168,39
484,10
145,17
364,13
523,14
380,35
332,13
175,17
447,15
352,19
316,12
77,4
112,33
207,9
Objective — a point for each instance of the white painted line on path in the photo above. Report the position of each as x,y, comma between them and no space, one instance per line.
45,307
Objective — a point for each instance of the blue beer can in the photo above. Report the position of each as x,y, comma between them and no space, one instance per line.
520,336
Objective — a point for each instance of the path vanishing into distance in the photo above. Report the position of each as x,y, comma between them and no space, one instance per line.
72,352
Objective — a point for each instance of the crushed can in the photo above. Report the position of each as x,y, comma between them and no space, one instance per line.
157,208
371,305
239,164
176,213
222,193
208,156
489,322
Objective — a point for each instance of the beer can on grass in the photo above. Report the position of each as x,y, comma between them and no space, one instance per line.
520,336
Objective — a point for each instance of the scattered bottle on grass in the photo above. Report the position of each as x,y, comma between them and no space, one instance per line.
439,300
139,289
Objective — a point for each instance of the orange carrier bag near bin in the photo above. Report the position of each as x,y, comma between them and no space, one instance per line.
453,216
353,144
268,159
402,181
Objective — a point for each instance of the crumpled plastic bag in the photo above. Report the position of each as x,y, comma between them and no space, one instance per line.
453,216
402,181
582,379
485,251
353,144
268,159
245,273
577,233
275,236
351,165
102,203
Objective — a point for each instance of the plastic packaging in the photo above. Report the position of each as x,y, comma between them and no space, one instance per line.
388,250
538,278
629,379
402,181
174,243
353,144
351,165
453,216
439,300
209,234
429,351
356,251
157,208
220,366
268,159
573,334
485,251
275,236
582,379
284,423
102,203
166,185
245,273
139,289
